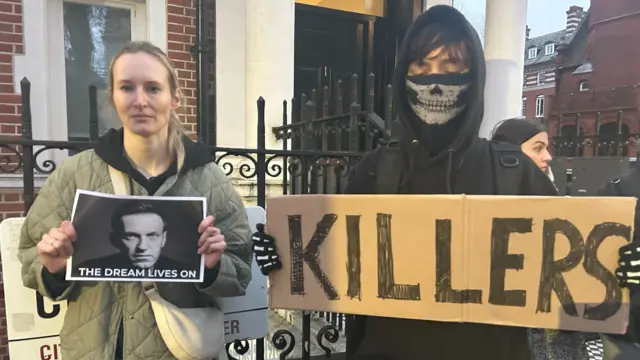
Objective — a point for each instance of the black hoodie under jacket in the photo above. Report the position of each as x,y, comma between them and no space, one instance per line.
464,166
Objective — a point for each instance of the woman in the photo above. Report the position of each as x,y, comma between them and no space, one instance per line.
534,141
111,320
532,138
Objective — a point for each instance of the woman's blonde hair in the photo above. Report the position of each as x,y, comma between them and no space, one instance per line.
175,125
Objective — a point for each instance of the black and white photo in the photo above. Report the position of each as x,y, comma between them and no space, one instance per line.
136,238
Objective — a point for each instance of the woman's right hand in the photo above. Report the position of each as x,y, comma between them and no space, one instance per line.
56,246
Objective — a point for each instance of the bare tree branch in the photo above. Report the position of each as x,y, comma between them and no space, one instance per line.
476,20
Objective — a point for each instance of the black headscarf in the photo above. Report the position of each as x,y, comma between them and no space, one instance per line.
516,131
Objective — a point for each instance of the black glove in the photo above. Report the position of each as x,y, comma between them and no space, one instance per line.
629,271
264,246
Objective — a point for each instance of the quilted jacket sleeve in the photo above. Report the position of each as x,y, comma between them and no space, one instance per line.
52,205
233,274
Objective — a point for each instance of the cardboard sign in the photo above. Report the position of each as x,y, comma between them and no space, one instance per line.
542,262
34,322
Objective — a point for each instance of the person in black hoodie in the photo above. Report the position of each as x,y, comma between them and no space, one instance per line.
439,98
438,86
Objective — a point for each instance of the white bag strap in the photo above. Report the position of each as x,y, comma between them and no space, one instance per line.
118,181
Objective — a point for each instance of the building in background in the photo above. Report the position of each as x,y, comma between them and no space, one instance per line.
540,66
598,78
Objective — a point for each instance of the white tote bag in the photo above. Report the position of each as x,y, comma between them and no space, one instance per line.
190,333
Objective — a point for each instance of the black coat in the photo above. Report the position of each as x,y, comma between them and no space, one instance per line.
464,166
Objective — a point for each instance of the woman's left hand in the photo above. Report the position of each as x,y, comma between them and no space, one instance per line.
211,242
629,271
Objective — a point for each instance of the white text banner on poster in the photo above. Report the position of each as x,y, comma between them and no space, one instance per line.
34,322
543,262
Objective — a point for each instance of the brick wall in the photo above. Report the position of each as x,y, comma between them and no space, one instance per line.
11,43
181,37
531,97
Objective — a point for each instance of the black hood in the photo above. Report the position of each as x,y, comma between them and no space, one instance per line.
110,148
469,125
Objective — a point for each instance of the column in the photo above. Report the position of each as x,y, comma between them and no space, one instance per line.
230,73
504,41
430,3
269,64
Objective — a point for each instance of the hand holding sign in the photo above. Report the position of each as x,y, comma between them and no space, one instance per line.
211,242
629,271
264,246
56,246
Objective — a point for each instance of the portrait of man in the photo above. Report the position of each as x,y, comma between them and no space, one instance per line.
139,233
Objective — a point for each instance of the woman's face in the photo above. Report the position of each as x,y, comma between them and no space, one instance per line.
536,149
142,95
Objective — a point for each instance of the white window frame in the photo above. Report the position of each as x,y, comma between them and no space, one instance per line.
43,65
582,85
540,78
57,79
524,106
540,106
550,49
532,53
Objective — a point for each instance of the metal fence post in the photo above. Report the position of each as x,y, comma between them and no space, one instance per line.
28,191
93,113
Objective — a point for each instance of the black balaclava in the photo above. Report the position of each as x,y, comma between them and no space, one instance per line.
440,110
515,131
437,102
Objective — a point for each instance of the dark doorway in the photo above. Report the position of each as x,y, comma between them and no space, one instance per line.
330,45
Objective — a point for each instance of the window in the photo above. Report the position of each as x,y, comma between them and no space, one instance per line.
540,106
82,37
570,141
584,85
92,36
540,79
611,141
524,106
533,53
549,49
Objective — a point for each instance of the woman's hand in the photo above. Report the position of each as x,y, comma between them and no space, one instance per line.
211,242
629,271
264,246
56,246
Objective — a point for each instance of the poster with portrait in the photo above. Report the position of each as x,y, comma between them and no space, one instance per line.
136,238
34,322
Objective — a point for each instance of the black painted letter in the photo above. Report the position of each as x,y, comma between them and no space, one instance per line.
551,275
42,312
387,288
295,250
444,291
353,255
309,255
613,294
501,260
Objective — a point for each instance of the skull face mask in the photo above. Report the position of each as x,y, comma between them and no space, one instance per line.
436,98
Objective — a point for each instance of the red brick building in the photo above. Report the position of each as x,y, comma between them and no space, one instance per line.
540,66
598,79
